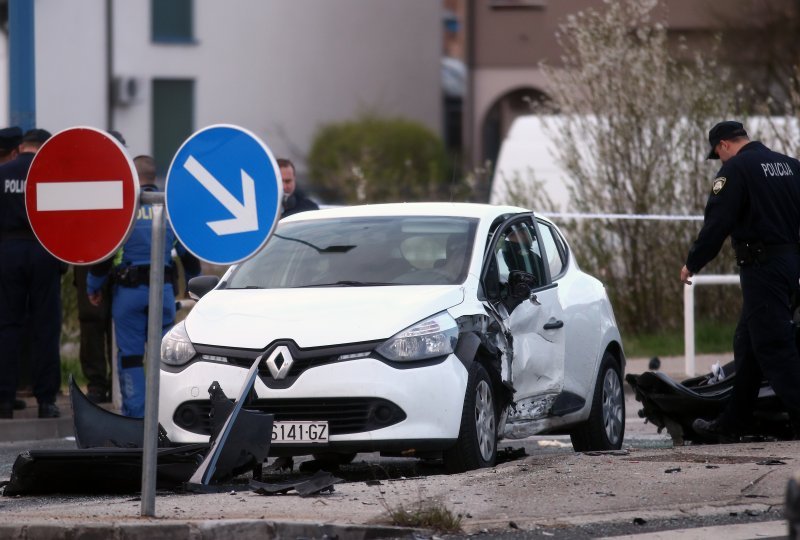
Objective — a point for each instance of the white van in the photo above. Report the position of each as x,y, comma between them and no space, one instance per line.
529,153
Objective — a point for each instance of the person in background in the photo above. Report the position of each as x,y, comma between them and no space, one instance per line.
129,271
10,138
30,290
95,329
294,200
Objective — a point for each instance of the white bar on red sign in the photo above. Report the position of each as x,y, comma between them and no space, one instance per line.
78,195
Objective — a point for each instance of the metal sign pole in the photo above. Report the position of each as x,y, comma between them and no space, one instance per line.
153,352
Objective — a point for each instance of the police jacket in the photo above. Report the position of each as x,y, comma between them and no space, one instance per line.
13,216
297,202
754,198
135,253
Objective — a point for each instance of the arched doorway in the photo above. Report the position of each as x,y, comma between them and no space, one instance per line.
503,112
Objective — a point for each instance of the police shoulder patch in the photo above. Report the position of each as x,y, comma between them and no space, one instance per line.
719,183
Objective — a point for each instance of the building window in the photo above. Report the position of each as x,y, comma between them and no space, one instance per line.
172,21
173,119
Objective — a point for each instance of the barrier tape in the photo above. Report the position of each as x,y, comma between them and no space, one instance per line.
653,217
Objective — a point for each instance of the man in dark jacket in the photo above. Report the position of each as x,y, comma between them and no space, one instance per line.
755,199
294,200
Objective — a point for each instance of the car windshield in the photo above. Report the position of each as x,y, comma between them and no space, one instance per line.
365,251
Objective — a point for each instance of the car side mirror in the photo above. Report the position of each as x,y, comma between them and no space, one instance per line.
200,285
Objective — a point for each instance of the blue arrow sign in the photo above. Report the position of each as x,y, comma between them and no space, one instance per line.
223,194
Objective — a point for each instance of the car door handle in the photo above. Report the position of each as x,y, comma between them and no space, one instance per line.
553,324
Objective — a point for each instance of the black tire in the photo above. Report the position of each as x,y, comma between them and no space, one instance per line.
332,458
605,428
477,437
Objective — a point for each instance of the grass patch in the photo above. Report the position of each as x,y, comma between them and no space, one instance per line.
710,337
425,515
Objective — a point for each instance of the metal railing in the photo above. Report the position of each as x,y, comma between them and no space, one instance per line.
688,313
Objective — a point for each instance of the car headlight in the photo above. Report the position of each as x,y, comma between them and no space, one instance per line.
435,336
176,349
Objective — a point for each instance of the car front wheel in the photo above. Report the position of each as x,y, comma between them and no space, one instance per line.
605,428
477,438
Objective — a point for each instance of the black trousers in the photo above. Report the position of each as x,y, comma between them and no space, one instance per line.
95,328
30,282
764,343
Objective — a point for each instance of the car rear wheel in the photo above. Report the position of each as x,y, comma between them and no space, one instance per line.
605,428
477,438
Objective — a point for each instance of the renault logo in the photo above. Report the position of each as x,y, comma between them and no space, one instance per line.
280,362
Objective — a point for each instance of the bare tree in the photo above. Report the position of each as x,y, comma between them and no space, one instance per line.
637,109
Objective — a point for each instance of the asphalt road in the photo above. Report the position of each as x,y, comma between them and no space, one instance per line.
540,488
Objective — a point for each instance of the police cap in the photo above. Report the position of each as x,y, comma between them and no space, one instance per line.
729,129
10,138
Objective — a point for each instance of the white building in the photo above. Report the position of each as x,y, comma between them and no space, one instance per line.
279,68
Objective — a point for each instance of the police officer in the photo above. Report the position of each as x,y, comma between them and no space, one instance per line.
755,199
130,274
294,200
95,330
30,282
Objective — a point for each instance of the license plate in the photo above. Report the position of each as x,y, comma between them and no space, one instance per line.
299,432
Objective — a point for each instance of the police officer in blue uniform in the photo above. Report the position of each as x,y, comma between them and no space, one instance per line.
30,283
755,199
129,270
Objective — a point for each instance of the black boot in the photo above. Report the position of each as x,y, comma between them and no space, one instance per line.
48,410
713,431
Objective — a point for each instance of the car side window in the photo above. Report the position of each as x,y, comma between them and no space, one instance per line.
517,248
554,247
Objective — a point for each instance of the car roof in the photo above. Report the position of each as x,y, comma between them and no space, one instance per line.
471,210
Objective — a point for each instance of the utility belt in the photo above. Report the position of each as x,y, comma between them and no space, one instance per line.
756,252
133,276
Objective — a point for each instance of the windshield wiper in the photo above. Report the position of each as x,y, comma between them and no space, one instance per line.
347,283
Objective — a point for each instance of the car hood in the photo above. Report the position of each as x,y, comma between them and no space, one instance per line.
313,317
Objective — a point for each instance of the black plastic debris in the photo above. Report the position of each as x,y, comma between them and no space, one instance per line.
109,457
771,462
96,427
673,470
673,405
240,441
99,470
320,482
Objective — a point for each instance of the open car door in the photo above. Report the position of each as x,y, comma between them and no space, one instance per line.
519,291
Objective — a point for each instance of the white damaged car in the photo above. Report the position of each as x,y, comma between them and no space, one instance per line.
423,329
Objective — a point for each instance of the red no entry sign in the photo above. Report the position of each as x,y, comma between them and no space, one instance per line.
82,194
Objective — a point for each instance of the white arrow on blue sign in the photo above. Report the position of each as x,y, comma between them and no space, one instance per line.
223,194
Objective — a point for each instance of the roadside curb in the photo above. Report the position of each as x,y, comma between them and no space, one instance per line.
33,429
244,529
581,520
